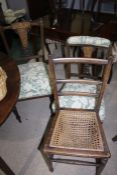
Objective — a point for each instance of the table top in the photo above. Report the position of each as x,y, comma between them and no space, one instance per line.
13,86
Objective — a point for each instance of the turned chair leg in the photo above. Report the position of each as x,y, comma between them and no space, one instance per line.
101,163
15,111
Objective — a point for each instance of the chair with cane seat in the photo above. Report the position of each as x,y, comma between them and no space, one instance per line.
76,132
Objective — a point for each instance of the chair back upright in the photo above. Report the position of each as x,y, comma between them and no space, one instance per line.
57,83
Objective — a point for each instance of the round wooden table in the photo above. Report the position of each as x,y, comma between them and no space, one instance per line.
13,86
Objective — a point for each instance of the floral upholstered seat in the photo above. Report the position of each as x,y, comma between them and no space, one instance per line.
80,101
34,80
95,41
33,85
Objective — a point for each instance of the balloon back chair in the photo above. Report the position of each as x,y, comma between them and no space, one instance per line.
73,132
34,75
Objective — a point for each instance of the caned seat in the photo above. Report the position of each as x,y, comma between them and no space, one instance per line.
69,123
75,134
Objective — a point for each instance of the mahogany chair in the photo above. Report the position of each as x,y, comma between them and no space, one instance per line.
76,133
34,74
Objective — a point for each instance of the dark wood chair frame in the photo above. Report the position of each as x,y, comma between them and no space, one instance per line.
48,151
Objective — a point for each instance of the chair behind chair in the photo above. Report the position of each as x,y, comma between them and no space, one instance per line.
28,38
87,46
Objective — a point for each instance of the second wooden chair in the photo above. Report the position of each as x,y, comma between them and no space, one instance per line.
76,133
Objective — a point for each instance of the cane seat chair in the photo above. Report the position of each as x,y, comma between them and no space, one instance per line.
76,132
34,74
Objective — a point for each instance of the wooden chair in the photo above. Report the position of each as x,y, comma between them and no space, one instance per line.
34,75
87,46
76,132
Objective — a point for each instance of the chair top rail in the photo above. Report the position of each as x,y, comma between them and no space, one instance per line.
80,60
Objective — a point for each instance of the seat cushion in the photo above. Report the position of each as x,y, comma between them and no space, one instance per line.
80,101
34,80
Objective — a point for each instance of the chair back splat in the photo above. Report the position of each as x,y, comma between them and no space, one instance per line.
75,134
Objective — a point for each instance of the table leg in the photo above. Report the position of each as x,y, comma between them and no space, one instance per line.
114,138
5,168
17,114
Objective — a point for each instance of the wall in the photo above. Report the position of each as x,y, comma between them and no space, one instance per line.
105,7
17,5
4,4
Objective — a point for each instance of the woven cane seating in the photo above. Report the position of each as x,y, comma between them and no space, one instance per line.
69,123
77,132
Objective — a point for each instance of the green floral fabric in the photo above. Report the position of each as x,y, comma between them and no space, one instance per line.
34,80
80,101
96,41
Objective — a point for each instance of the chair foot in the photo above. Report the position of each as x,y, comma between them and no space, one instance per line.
5,168
15,111
47,160
101,164
114,139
